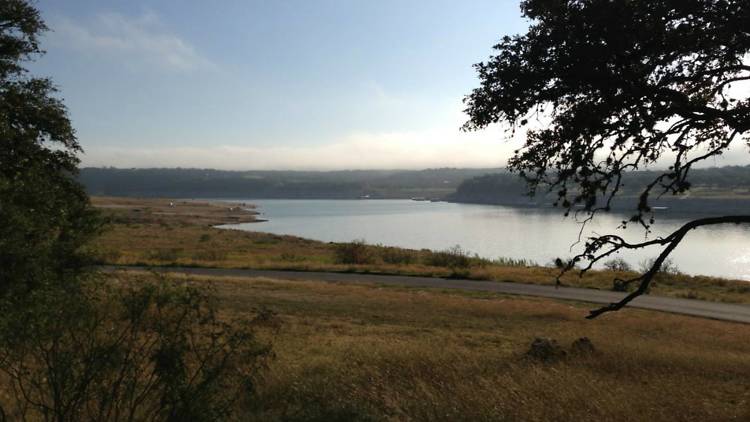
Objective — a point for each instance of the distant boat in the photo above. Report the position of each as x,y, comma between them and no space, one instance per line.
419,198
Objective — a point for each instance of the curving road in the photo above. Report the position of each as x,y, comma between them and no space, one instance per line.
699,308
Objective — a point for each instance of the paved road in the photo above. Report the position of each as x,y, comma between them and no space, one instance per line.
700,308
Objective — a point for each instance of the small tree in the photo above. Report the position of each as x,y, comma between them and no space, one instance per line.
623,84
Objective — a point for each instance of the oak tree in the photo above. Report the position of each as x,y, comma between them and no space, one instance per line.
620,85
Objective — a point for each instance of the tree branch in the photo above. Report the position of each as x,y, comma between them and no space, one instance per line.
671,242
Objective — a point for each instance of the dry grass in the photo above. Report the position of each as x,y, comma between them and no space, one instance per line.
353,352
163,211
182,235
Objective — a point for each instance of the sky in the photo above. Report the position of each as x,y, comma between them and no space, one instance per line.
282,84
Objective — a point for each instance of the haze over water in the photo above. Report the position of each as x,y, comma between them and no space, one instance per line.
539,235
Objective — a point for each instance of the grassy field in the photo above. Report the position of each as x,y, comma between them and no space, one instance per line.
369,352
151,232
346,352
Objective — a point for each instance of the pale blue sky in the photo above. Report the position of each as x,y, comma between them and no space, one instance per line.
275,84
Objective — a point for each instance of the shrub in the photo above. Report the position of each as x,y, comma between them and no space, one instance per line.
205,237
668,267
355,252
617,264
619,285
453,257
397,256
143,351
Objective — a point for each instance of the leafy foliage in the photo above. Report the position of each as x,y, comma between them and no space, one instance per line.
71,347
44,213
619,85
624,82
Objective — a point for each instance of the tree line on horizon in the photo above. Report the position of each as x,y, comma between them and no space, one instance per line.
341,184
492,186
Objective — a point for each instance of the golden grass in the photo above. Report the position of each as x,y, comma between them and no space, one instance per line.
164,211
157,234
358,352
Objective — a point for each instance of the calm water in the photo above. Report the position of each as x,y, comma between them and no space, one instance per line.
493,231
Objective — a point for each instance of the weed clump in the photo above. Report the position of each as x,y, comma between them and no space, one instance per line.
356,252
546,350
396,256
582,347
453,257
513,262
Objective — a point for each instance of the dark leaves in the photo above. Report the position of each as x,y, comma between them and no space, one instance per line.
626,83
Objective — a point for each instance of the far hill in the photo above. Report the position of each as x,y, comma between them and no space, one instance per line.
724,189
204,183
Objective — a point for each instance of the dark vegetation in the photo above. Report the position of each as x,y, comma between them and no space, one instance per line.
359,252
620,86
72,346
140,349
197,183
714,190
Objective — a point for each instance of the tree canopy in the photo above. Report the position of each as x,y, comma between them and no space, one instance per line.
45,216
72,347
617,86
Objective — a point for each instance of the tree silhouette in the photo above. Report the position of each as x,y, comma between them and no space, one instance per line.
620,85
45,216
75,345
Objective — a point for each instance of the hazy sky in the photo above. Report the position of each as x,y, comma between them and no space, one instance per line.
275,84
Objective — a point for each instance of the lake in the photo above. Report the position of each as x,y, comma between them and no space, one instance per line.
490,231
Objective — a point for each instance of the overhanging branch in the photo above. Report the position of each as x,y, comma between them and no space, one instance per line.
645,279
